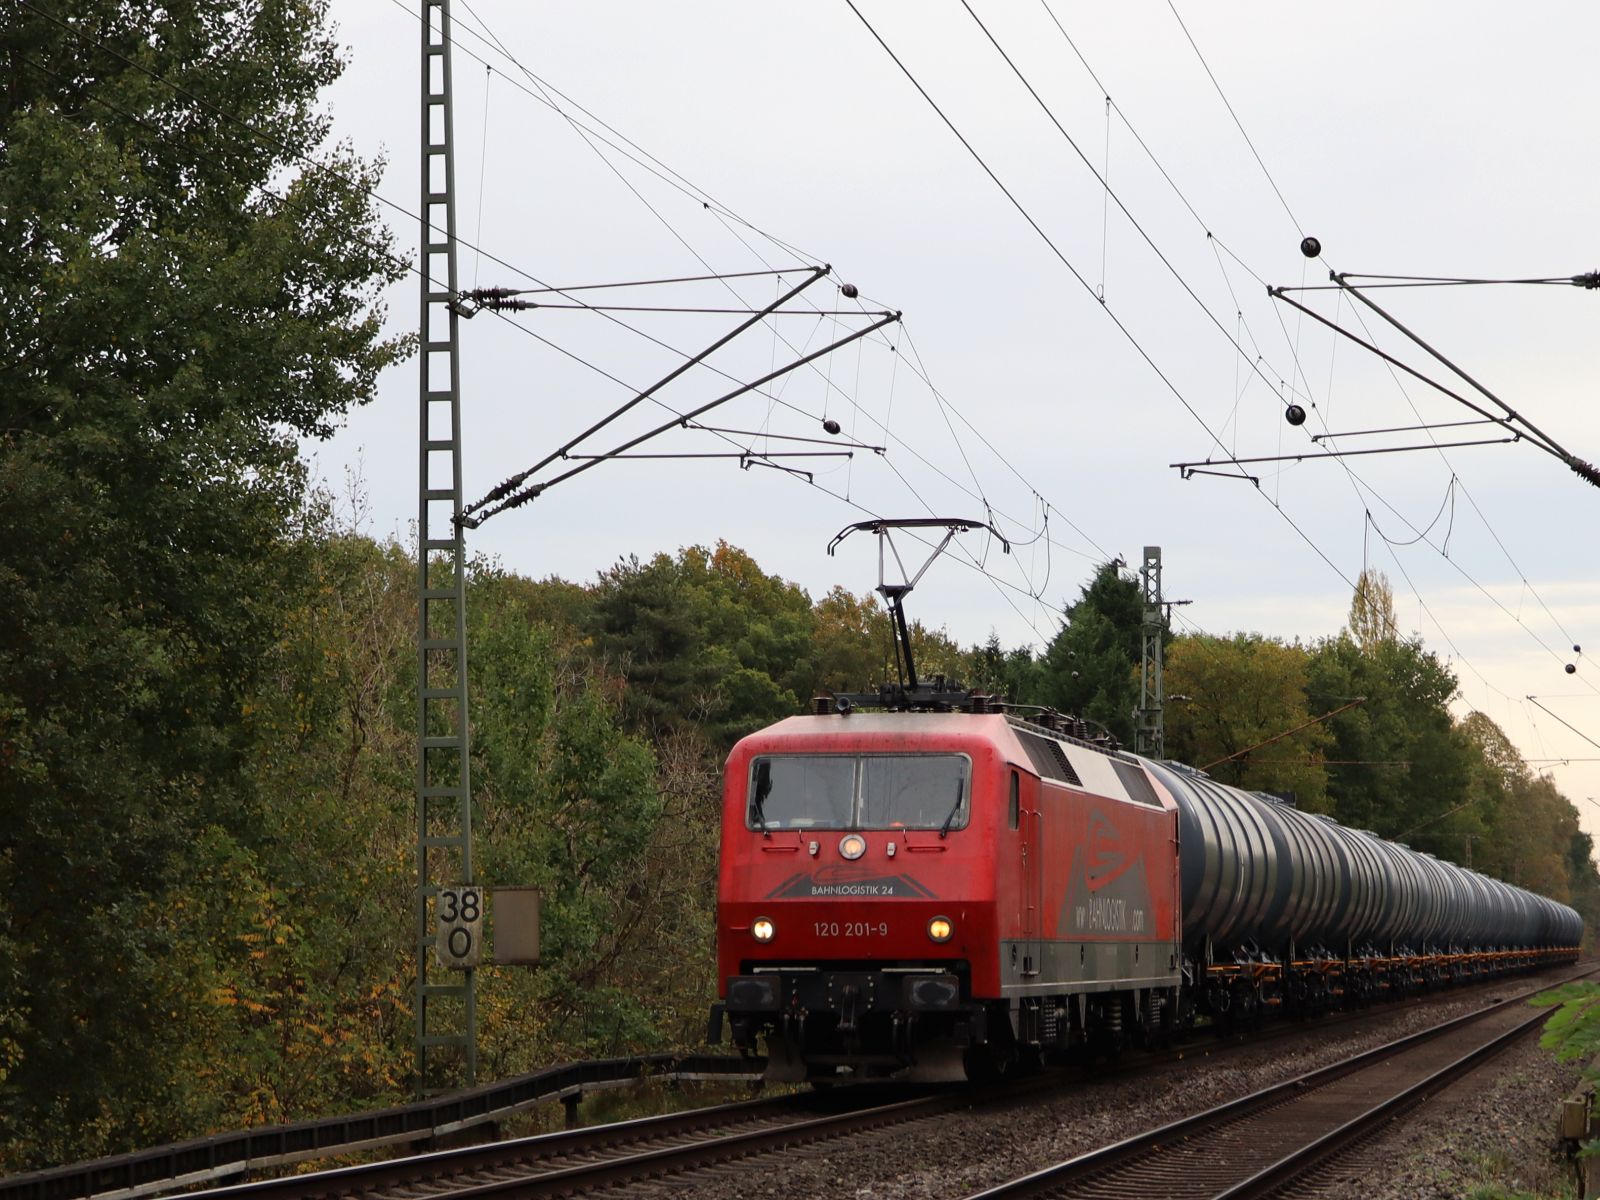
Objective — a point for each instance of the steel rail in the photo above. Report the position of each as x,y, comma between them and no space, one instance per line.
520,1154
1315,1155
450,1174
1093,1169
673,1160
208,1159
543,1165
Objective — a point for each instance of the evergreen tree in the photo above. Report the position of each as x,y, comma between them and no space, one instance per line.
705,639
1091,667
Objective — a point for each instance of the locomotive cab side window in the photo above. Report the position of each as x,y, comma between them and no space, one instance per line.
1014,810
859,791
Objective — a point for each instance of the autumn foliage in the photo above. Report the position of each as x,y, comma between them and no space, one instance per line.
207,673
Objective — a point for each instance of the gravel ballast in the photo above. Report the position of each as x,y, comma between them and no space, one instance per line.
962,1153
1494,1129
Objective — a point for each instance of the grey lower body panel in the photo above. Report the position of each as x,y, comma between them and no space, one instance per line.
834,1025
1066,967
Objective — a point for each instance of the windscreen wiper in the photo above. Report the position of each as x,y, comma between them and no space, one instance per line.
763,790
961,789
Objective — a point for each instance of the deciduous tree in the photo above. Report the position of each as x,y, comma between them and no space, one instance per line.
169,326
1241,692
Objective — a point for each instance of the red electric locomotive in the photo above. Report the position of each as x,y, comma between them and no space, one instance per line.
924,895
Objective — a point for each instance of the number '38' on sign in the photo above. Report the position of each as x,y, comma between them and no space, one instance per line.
458,927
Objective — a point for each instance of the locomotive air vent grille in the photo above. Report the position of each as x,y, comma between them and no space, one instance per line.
1049,759
1137,782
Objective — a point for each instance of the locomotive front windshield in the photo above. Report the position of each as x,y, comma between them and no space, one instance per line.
859,791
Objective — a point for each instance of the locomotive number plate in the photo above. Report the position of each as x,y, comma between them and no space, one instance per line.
850,929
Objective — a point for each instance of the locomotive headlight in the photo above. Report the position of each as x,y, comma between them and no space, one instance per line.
852,845
762,929
940,929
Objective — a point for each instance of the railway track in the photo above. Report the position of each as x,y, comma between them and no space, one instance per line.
678,1145
576,1161
1274,1142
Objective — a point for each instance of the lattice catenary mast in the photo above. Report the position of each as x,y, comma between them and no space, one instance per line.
1150,731
446,1012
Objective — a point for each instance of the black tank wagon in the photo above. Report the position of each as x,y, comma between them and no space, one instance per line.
1281,905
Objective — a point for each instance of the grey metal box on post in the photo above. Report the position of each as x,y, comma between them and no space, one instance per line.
515,914
1580,1122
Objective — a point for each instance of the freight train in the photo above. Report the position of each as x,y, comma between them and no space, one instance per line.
957,892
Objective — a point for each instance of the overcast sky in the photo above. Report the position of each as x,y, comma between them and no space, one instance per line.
1038,373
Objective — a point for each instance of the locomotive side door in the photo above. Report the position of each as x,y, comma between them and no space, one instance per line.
1026,803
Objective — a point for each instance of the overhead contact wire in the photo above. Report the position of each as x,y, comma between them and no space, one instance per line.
1104,183
1239,124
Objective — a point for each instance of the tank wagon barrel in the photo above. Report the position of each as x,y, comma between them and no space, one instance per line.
1262,879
